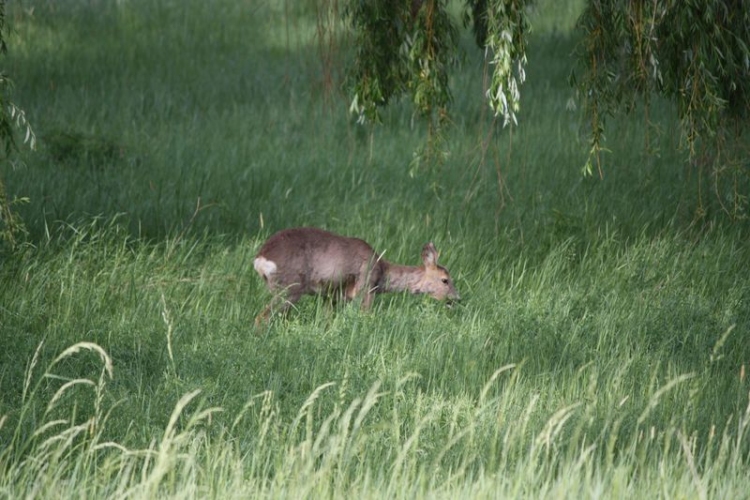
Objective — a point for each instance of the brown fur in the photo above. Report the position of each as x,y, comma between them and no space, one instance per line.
300,261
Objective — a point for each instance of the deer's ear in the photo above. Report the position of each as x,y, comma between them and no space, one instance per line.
429,256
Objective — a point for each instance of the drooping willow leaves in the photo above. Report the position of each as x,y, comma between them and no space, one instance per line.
11,117
693,52
408,47
402,47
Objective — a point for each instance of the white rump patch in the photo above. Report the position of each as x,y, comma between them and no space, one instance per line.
264,267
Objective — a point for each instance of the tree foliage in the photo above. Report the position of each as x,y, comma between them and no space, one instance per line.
501,27
11,118
402,47
409,47
693,52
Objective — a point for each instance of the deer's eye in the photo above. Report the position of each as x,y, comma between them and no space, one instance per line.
445,281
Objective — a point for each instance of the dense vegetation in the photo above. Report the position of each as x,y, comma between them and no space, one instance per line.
600,348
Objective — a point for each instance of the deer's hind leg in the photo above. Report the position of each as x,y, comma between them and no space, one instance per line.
282,301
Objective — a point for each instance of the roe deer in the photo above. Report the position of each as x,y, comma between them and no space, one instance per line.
300,261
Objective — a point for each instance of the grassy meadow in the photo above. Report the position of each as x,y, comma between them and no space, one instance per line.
600,349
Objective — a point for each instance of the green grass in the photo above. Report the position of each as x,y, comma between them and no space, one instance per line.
600,349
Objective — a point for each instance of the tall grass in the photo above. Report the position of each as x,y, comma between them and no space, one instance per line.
600,349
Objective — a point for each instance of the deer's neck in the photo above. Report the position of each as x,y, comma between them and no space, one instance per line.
398,278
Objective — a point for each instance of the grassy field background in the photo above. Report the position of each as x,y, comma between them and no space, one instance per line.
600,350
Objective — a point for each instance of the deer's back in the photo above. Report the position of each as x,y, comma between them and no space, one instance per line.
312,257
